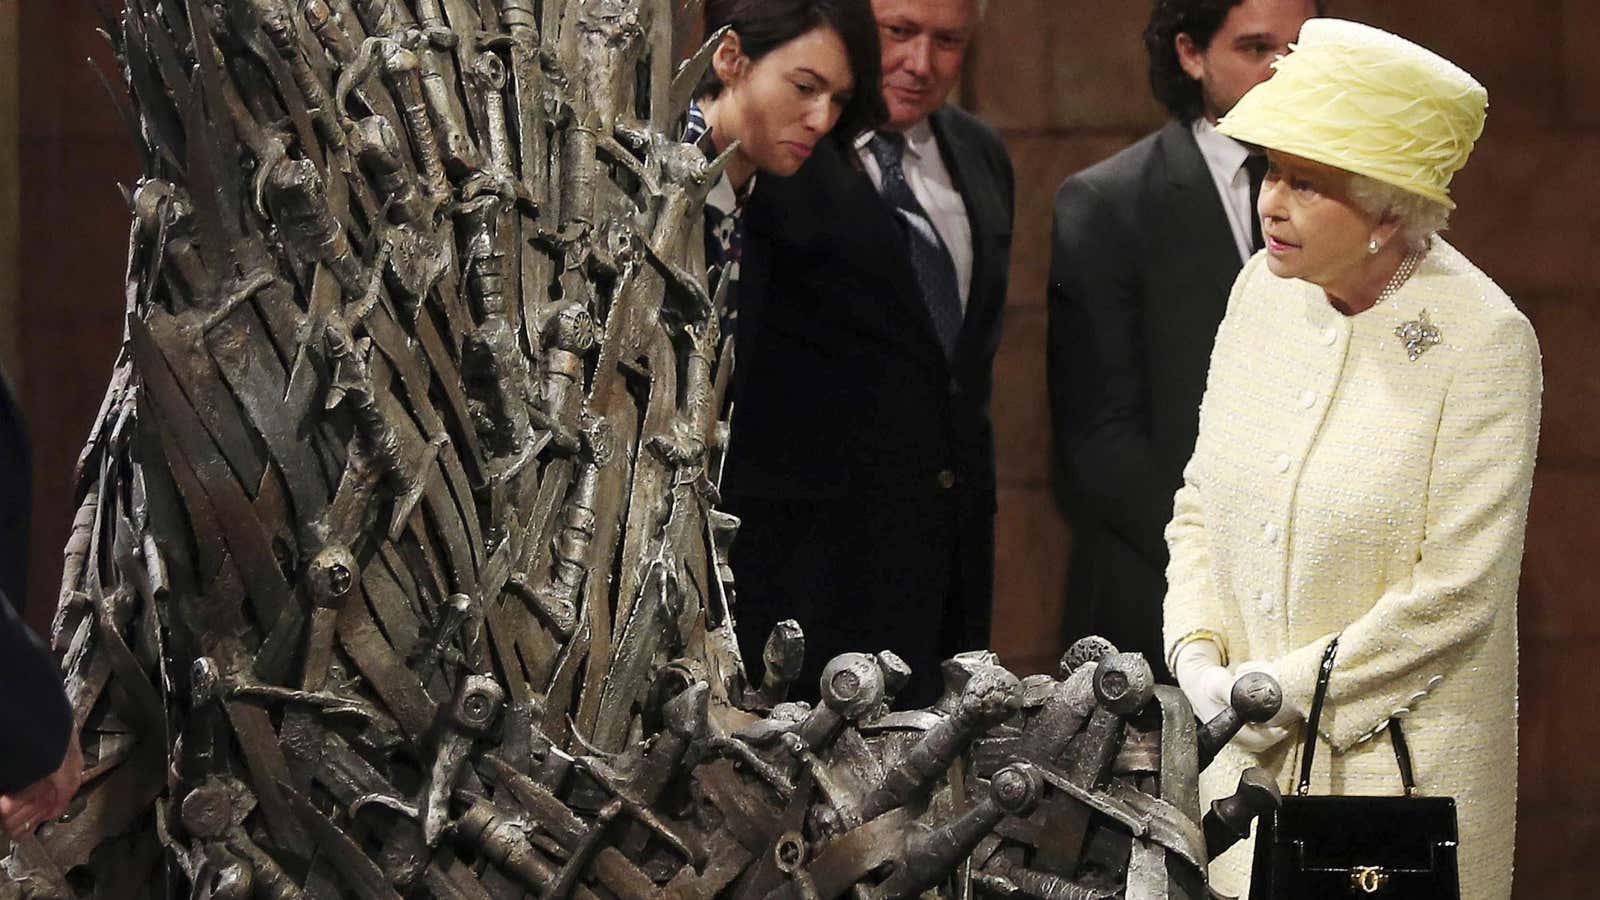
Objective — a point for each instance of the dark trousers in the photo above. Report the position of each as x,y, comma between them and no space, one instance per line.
890,574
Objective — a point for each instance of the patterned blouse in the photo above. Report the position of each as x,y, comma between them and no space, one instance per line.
724,212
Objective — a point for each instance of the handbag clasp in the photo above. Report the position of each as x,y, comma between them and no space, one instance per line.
1368,879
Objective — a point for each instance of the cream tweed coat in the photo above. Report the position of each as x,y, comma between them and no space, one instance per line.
1338,486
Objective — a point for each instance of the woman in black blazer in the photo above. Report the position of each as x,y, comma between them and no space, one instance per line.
784,74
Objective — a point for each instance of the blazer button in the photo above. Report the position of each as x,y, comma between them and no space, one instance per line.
1283,462
947,479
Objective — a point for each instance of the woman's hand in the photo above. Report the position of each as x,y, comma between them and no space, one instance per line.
1263,737
1259,738
1288,714
1204,679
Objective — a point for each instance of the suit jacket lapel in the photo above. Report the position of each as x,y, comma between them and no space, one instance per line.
875,240
985,218
1197,217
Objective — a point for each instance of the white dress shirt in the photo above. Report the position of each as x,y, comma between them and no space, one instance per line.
1225,158
933,187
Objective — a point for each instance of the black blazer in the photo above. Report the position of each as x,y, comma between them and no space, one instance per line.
861,460
1142,260
35,717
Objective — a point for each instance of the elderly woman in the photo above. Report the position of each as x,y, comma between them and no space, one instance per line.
1365,453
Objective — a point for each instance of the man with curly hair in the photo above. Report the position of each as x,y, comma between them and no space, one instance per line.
1145,247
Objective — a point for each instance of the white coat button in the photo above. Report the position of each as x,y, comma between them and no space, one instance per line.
1330,335
1267,601
1283,462
1271,532
1308,398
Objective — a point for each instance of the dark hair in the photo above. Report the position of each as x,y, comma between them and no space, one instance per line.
1200,20
766,25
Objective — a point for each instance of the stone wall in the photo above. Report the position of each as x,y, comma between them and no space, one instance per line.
72,249
1064,82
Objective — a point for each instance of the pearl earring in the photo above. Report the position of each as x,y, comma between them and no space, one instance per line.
1372,246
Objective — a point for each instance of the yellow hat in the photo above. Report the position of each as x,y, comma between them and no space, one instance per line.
1366,101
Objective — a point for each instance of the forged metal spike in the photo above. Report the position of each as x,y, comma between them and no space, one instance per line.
989,697
1229,819
1123,684
1060,719
688,76
520,19
931,853
378,148
503,839
477,703
459,152
325,25
1007,880
488,72
781,658
279,23
296,193
1085,651
851,686
433,25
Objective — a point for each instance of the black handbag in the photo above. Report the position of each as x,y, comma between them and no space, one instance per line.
1342,847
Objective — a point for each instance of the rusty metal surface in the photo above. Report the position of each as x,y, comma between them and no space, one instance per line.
397,570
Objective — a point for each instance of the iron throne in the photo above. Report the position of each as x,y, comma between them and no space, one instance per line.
396,571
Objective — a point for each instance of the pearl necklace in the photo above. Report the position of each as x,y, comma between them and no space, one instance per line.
1408,266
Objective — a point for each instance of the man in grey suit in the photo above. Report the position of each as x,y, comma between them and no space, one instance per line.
1145,248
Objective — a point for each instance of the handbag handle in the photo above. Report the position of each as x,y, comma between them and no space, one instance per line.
1397,737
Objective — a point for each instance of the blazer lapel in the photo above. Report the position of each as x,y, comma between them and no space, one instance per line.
874,241
987,220
1197,218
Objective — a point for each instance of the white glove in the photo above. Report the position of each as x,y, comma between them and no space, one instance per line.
1288,714
1203,678
1259,738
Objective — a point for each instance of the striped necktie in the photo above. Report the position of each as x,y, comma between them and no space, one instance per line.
930,259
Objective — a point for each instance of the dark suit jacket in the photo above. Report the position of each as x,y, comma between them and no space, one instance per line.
35,718
861,460
1142,260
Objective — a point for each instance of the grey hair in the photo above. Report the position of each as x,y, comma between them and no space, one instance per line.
1420,218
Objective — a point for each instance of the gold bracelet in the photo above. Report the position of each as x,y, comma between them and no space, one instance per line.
1199,634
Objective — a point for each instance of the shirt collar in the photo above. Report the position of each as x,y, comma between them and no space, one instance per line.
920,140
696,130
1222,153
724,198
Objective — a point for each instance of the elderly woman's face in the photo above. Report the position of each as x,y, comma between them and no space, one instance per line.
1313,230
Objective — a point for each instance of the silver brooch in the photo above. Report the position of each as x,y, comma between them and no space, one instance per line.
1418,335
